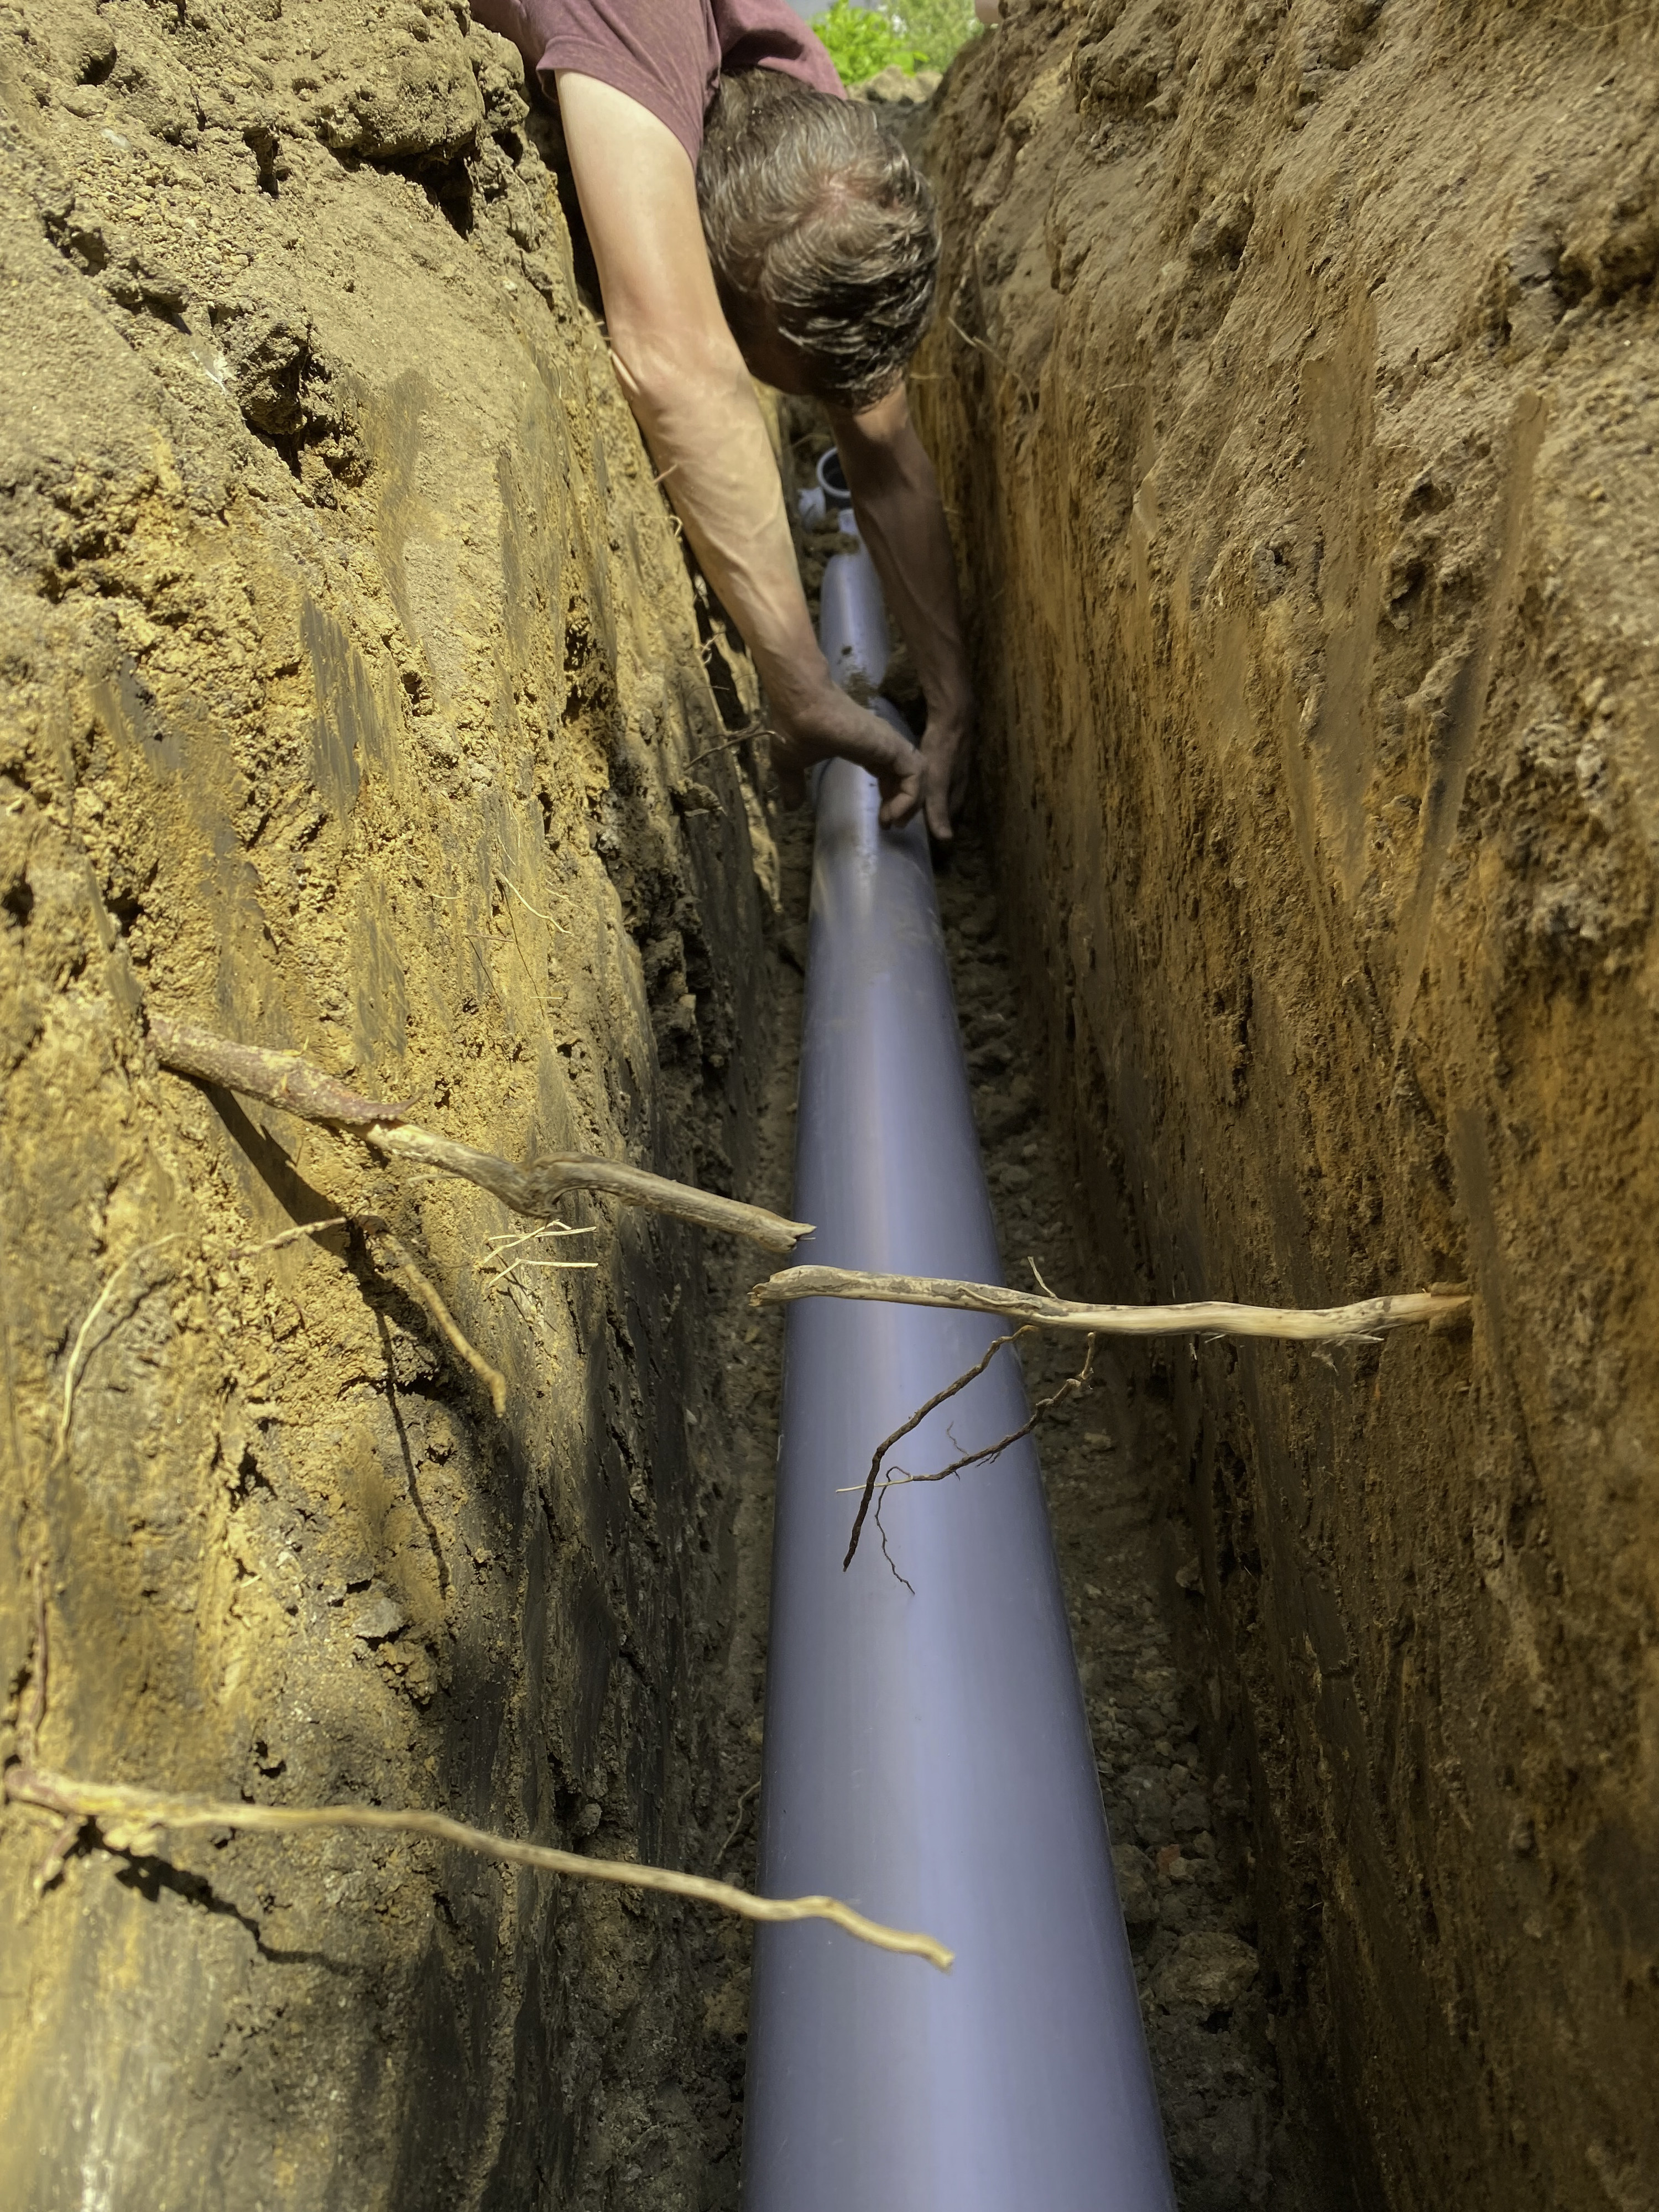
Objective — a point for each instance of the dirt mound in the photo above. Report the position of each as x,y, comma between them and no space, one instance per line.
1296,390
357,700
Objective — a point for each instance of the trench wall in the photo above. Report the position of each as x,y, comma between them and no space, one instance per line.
1295,390
357,699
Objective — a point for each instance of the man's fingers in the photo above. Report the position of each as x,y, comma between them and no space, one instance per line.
959,767
900,800
849,731
946,774
903,787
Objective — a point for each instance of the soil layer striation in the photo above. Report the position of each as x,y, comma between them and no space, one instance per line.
1296,391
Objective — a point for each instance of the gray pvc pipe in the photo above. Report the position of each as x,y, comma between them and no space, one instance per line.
927,1752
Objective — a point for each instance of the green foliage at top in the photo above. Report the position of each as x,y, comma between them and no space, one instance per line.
939,29
914,34
863,42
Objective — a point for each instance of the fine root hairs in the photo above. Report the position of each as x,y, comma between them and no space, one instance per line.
1447,1305
134,1821
287,1079
504,1255
914,1421
552,921
751,735
293,1236
737,1818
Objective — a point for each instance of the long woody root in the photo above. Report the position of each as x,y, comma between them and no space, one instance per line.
394,1258
287,1079
135,1822
1446,1306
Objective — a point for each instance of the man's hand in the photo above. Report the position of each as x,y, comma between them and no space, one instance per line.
831,725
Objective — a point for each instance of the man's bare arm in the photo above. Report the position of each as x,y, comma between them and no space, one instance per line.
690,392
895,499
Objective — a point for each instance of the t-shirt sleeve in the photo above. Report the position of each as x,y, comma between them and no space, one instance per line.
661,53
667,54
769,35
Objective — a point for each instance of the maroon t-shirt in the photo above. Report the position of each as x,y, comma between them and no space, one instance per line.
667,54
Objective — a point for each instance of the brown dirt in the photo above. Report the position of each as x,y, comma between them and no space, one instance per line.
1298,378
357,698
1297,397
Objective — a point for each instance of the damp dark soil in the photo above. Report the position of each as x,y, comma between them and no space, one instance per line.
745,1366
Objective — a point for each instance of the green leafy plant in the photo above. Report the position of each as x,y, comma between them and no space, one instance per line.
863,42
914,34
939,29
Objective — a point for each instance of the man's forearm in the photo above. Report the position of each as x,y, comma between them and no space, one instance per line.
902,519
706,435
897,500
684,377
708,441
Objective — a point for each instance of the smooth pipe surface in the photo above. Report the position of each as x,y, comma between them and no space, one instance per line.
853,621
927,1752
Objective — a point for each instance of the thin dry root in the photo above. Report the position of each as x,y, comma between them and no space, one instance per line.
1071,1388
72,1372
391,1256
289,1080
134,1820
914,1422
1446,1304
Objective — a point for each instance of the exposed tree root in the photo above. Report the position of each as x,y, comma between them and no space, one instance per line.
72,1372
135,1821
914,1422
290,1081
1072,1387
392,1257
1447,1304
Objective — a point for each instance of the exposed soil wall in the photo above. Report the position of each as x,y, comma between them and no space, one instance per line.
357,699
1296,396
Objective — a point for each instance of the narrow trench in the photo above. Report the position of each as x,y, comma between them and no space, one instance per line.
1105,1456
1181,1835
739,1453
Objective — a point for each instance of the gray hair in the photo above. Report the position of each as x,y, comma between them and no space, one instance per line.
817,227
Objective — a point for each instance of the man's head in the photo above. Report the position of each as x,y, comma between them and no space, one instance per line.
823,238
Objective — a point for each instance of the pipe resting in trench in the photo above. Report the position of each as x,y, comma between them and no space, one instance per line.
927,1752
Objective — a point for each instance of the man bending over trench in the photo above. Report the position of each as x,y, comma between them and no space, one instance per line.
747,218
